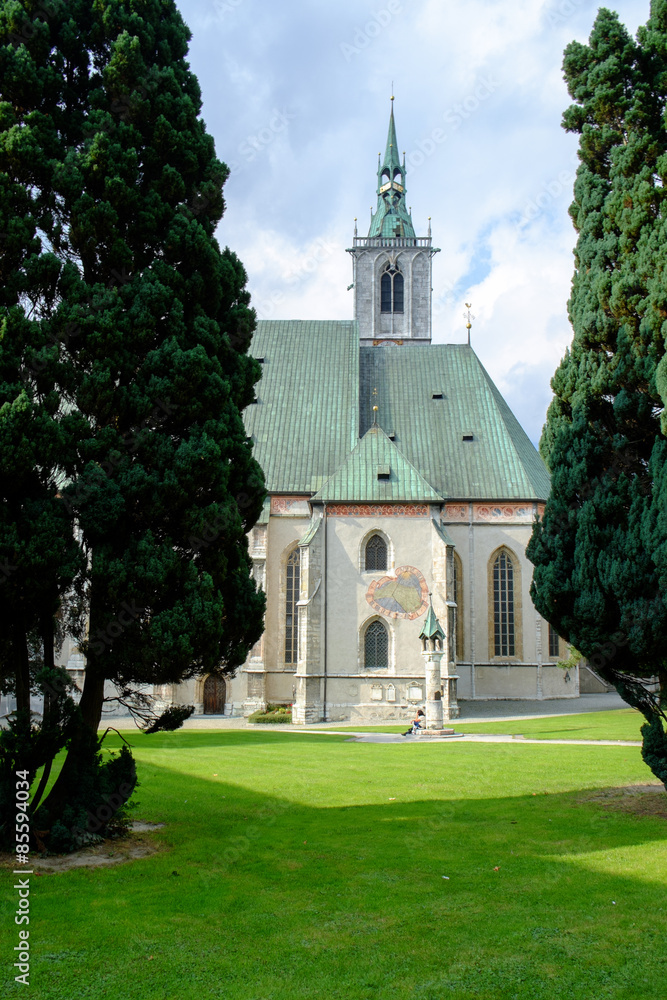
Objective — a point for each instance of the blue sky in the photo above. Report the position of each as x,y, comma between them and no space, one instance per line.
296,96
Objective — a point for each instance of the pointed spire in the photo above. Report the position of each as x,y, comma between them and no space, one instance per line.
391,157
392,218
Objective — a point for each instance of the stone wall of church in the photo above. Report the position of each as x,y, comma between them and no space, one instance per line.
530,672
421,294
343,598
414,323
364,291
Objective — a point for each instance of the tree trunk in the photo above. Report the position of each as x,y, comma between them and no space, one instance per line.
91,712
654,738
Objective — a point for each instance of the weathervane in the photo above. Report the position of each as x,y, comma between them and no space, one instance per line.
468,317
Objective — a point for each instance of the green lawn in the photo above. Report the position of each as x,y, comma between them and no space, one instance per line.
619,724
297,867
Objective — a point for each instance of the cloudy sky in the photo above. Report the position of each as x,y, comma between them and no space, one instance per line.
296,95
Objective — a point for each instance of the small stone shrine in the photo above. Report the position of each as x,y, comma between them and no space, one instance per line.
441,703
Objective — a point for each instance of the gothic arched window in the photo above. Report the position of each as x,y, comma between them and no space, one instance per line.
385,293
458,597
376,647
376,553
504,608
391,290
292,587
398,293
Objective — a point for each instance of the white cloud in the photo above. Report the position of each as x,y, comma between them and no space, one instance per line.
487,75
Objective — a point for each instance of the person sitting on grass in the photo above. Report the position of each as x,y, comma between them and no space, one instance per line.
416,723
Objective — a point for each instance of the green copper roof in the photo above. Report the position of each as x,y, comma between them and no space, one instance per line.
306,419
391,157
316,397
391,218
441,530
465,442
313,527
266,512
431,629
376,472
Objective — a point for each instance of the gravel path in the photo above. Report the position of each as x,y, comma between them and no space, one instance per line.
471,711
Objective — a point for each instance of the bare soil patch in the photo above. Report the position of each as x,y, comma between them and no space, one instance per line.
648,799
137,844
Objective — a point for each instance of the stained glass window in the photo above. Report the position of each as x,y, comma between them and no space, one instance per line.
398,293
391,290
503,606
376,646
554,641
385,293
293,584
376,553
458,597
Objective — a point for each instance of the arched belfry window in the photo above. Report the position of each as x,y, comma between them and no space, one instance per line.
292,587
376,647
376,553
504,607
391,290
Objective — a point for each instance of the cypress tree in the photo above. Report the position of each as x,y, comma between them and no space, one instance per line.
598,550
151,324
41,563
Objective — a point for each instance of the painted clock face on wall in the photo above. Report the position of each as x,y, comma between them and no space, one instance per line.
403,595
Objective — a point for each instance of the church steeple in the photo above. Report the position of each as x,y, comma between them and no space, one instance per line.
393,272
392,218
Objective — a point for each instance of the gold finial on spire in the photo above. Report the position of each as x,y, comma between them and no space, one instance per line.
374,396
468,317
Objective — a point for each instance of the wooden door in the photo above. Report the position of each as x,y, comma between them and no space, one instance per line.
215,690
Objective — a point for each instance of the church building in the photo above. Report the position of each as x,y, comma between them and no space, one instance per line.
395,471
398,479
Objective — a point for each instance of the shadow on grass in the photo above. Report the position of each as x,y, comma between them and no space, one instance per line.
264,897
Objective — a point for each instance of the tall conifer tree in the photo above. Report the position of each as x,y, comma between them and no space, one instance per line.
145,331
599,550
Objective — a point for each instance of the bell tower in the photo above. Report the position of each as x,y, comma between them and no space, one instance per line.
392,267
